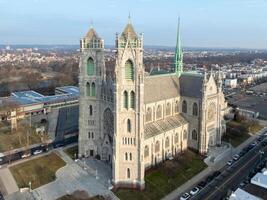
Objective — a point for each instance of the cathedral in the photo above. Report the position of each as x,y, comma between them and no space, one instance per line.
137,120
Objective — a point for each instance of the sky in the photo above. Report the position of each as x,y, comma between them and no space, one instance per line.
204,23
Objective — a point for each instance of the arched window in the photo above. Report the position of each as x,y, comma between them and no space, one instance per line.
159,112
90,110
129,71
185,135
129,126
146,153
128,173
168,109
88,90
125,99
126,156
93,90
167,142
184,107
148,115
176,138
132,100
194,135
157,146
195,109
90,67
176,107
130,156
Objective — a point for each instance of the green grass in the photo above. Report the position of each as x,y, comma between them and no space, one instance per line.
235,140
166,177
39,171
9,141
238,132
72,151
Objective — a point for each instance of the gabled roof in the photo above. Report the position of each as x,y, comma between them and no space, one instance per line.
129,31
92,34
191,85
160,87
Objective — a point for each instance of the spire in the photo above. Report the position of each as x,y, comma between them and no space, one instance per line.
178,53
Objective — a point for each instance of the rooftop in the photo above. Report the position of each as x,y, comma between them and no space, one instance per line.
32,97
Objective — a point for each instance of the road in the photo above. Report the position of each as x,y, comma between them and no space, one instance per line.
232,176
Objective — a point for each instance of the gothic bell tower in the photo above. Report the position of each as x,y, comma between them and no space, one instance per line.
92,74
128,166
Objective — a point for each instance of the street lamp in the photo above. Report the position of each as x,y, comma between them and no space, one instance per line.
30,186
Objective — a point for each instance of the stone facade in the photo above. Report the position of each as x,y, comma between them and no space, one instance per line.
136,121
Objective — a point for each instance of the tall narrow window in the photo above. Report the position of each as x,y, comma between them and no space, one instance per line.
130,155
148,115
146,153
93,90
157,147
125,99
167,142
126,156
128,173
129,126
176,138
194,135
90,67
185,135
184,107
195,109
88,89
90,110
168,109
132,100
159,111
129,72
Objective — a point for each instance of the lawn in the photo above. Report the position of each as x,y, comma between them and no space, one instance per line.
39,171
234,139
72,151
166,177
9,141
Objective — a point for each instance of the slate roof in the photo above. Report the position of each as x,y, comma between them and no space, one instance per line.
155,128
161,87
191,85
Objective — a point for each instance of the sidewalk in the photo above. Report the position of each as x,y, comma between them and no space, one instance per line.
199,177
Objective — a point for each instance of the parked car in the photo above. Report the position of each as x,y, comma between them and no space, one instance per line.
194,191
230,162
236,157
26,155
209,178
185,196
242,153
38,151
264,143
202,184
216,173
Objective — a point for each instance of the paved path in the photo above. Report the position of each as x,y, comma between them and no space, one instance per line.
70,178
7,182
193,181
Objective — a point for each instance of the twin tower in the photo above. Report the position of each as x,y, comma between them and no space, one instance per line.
111,112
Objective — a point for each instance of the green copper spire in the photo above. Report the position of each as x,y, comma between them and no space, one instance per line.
178,53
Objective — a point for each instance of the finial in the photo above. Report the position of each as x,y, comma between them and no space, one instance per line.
91,23
129,18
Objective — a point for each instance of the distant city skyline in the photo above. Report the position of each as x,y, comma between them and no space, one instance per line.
205,23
